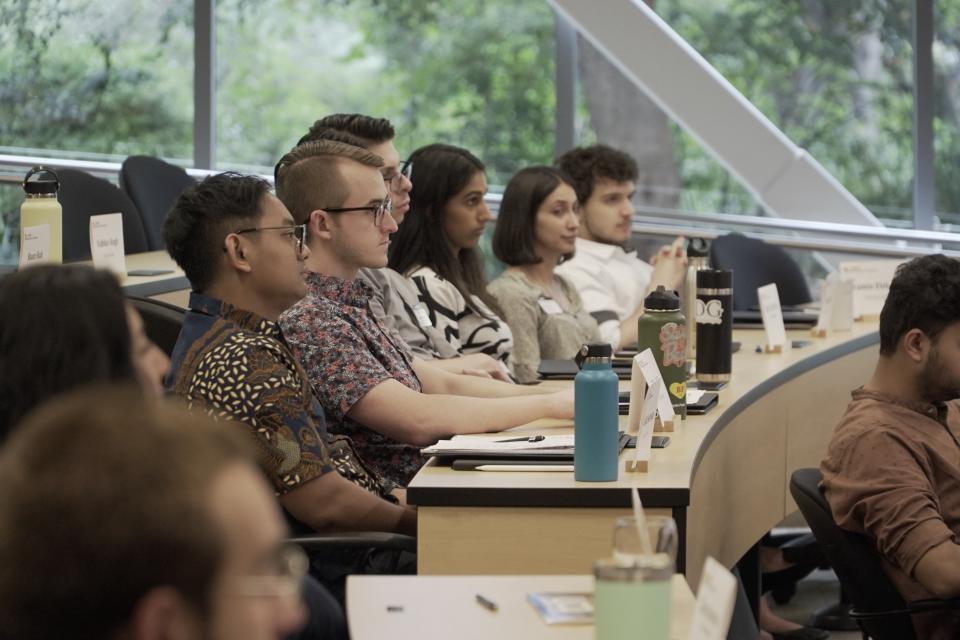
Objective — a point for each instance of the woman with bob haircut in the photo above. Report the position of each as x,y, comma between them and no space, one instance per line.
436,247
63,327
536,230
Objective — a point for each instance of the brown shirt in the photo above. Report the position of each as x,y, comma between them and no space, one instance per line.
892,472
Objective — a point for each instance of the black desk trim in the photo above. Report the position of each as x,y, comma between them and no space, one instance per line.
147,289
618,497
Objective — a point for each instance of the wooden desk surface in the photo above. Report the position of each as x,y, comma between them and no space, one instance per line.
725,472
444,607
170,287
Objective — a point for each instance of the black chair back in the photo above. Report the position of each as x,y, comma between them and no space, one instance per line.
755,264
161,321
854,559
153,185
83,195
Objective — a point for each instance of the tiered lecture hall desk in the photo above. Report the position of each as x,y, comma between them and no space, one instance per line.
724,477
170,287
443,607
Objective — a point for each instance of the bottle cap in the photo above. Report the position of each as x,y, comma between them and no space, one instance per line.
593,350
662,300
41,181
698,248
715,279
596,350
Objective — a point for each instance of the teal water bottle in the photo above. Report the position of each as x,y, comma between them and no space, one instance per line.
596,423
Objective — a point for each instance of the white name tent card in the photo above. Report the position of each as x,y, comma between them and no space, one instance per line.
36,245
772,316
713,610
643,415
836,306
106,242
871,283
651,371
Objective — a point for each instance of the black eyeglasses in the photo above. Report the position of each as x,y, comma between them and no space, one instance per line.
378,210
396,180
296,231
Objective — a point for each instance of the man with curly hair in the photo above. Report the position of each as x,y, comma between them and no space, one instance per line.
613,282
893,465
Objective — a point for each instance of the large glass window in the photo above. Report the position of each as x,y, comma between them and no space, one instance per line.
475,74
92,79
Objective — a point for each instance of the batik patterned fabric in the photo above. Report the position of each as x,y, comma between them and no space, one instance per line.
234,365
347,352
469,328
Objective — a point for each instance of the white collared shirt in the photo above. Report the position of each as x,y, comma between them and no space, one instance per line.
611,282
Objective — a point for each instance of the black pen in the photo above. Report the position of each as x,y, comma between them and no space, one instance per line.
524,439
490,605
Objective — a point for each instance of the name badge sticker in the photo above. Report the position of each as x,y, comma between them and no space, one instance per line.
423,315
550,306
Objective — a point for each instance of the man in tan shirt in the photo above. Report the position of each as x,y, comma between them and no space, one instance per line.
892,469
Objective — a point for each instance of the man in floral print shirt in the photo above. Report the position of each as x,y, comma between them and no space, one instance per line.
362,372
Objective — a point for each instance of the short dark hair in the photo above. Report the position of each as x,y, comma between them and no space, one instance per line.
440,171
204,214
586,165
370,130
103,497
61,327
309,177
517,219
925,295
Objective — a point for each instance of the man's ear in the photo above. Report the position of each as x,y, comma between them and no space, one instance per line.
162,614
235,253
916,345
320,224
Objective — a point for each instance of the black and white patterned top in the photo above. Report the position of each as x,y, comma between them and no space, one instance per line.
469,328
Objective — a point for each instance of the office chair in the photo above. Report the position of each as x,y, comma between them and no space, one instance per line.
878,607
153,185
754,264
83,195
161,321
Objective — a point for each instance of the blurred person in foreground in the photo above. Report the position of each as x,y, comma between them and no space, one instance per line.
155,527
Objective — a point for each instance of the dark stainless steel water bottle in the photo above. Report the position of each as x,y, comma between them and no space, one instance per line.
714,325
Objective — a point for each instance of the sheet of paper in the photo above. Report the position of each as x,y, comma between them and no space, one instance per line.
648,365
490,443
871,283
715,599
648,415
106,242
694,395
35,248
772,316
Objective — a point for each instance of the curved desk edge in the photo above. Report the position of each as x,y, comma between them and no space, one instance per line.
776,380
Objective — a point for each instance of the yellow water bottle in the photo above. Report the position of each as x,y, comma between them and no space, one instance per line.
40,208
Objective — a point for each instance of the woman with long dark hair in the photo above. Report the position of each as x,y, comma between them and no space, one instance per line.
62,327
436,247
536,230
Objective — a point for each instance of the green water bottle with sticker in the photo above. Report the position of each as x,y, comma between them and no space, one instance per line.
663,330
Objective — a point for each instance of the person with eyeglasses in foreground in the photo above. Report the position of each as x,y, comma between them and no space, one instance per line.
394,300
122,519
371,387
244,256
